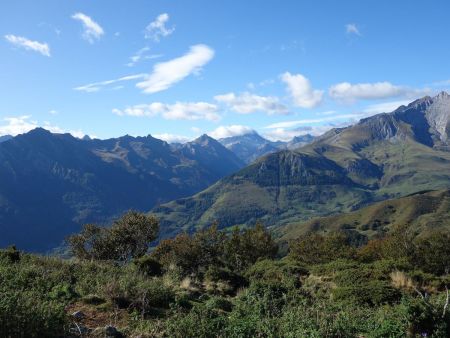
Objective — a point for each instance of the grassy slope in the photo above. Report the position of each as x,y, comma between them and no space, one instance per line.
423,211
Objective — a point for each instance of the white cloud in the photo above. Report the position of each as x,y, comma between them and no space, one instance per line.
140,55
36,46
301,91
171,138
92,30
23,124
289,124
346,91
350,92
17,125
229,131
247,103
53,112
166,74
281,134
352,28
284,134
96,86
157,29
178,111
385,107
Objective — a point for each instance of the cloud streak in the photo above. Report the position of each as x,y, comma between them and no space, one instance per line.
96,86
290,124
164,74
140,55
20,41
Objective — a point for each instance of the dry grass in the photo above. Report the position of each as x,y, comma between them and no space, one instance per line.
401,280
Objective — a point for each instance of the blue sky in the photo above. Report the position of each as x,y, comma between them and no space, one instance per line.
177,69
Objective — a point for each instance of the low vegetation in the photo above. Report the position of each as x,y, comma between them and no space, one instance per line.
228,284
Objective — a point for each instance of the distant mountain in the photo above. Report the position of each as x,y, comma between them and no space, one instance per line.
5,138
251,146
383,156
423,212
52,183
299,141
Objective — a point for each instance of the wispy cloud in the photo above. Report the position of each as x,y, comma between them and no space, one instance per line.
385,107
96,86
290,124
352,28
91,30
166,74
157,29
229,131
301,91
285,134
247,103
142,54
20,41
178,111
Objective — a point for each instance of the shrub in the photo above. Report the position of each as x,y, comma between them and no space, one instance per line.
317,249
284,272
148,266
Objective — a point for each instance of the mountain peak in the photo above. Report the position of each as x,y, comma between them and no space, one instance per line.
441,95
204,139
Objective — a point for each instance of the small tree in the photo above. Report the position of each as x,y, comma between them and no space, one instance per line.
244,248
128,237
131,235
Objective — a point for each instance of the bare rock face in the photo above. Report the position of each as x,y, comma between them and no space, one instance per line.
438,117
429,119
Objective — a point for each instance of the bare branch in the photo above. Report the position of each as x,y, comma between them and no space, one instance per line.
446,303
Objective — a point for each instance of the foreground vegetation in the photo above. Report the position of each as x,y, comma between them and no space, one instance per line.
217,284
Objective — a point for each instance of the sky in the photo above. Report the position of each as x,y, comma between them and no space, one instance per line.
179,69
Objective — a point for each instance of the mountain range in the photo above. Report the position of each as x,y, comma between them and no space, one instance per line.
251,146
383,156
5,138
53,183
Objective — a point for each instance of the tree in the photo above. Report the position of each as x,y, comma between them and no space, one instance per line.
131,235
128,237
244,248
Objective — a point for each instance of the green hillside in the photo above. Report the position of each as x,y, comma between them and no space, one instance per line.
423,212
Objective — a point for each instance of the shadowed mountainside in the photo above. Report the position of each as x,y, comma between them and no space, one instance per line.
52,183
